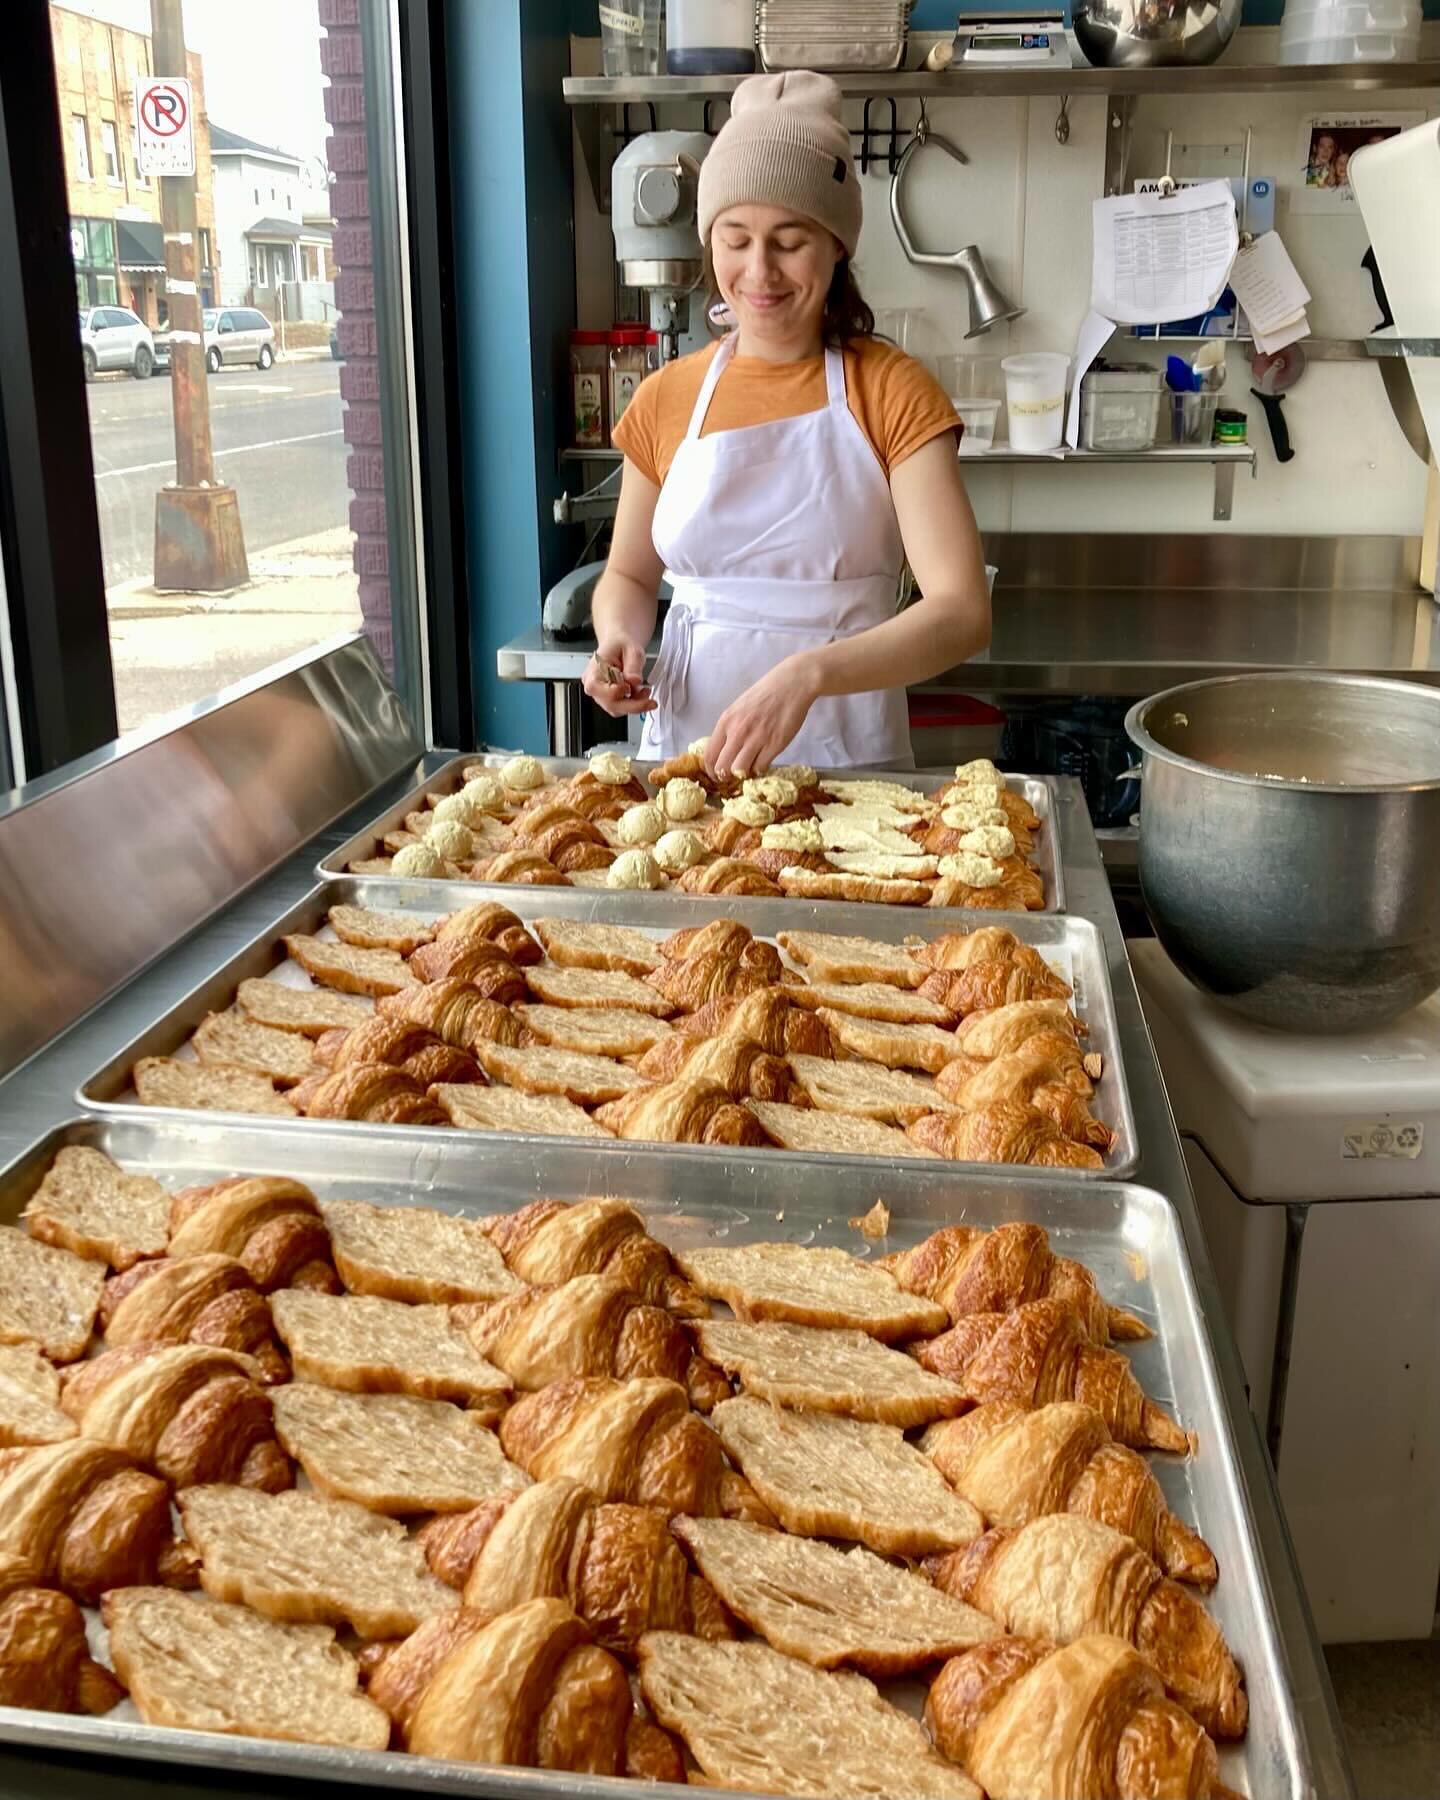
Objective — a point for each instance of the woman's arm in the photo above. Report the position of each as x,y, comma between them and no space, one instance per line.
623,610
950,624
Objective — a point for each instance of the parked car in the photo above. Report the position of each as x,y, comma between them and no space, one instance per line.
233,334
113,337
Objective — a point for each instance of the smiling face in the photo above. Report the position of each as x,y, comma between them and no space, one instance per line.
1324,149
774,269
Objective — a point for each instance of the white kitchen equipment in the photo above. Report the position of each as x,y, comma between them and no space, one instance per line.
1012,40
1333,1144
710,37
1035,399
653,191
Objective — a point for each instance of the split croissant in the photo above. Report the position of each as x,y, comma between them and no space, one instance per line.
636,1441
208,1299
551,1241
737,1064
190,1413
589,1325
1062,1577
1006,1131
456,1012
971,1270
618,1566
45,1660
1034,1722
81,1517
410,1047
770,1018
1040,1352
981,986
527,1689
1014,1465
370,1091
728,940
681,1112
488,919
1034,1076
273,1225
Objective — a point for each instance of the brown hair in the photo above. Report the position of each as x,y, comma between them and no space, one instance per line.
847,314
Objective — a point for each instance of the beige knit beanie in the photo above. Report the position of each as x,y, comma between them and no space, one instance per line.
784,144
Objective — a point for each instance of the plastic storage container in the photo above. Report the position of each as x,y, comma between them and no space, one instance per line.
710,37
630,37
968,377
1035,399
1192,417
1120,407
589,378
978,417
1350,31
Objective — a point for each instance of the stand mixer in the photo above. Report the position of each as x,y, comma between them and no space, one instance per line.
653,192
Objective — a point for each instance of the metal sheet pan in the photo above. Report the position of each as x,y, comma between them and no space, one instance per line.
448,779
1074,943
1129,1235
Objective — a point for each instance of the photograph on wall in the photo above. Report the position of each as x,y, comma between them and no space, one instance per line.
1322,183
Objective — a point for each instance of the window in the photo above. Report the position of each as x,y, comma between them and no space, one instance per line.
141,179
272,193
112,152
205,262
80,140
289,203
257,196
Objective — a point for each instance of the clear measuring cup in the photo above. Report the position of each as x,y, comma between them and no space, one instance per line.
630,36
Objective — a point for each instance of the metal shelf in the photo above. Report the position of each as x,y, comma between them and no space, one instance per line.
1223,458
969,84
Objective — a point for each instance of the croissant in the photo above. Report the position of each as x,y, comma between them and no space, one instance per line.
951,891
475,960
1039,1353
539,815
681,1112
936,838
971,1270
442,1063
1051,1050
1006,1131
693,981
988,944
378,1040
1017,809
771,863
1034,1722
691,767
618,1566
990,1034
528,1688
1026,1077
1062,1577
1014,1465
594,800
573,844
526,867
737,1064
45,1661
371,1091
191,1413
208,1299
731,837
729,875
272,1224
488,919
630,790
724,937
636,1441
82,1517
456,1013
589,1325
550,1241
983,986
771,1018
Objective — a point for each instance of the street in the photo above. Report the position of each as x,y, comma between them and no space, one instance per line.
277,439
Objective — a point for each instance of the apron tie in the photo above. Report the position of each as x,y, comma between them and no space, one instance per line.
670,671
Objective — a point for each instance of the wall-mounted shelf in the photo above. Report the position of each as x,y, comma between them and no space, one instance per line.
1223,458
966,84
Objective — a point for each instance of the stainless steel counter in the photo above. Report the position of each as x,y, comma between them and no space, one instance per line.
41,1094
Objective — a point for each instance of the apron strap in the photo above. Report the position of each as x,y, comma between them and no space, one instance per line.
707,387
835,378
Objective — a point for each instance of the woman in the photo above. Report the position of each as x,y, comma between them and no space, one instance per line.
781,477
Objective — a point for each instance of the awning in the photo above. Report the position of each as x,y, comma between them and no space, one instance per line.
274,228
139,246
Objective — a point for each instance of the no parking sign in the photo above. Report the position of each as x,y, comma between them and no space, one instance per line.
165,125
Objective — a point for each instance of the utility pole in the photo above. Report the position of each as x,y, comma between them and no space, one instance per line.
199,545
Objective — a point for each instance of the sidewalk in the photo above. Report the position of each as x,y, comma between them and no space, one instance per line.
171,650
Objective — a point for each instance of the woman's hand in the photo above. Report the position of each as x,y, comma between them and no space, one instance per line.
755,728
614,677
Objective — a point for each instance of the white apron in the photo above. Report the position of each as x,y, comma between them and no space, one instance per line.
776,538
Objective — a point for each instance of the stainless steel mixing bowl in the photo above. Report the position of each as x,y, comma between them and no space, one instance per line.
1290,843
1154,34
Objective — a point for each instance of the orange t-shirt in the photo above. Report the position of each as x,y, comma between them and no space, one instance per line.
897,403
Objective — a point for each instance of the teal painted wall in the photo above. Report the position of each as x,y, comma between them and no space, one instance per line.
515,305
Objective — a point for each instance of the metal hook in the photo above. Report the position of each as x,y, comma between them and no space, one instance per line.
1062,121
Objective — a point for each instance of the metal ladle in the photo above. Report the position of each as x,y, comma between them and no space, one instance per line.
988,305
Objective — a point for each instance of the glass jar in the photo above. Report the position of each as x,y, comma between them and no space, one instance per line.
589,357
629,366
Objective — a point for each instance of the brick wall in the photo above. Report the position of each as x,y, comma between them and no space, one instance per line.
342,58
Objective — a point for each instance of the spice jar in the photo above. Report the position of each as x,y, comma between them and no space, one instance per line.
628,368
589,353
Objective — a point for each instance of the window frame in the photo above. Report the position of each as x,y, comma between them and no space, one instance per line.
110,150
80,142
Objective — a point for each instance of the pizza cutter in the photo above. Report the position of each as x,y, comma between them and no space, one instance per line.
1274,375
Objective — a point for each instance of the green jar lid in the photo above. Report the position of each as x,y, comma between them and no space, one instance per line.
1230,427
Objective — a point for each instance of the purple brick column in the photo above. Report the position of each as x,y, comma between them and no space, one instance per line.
342,58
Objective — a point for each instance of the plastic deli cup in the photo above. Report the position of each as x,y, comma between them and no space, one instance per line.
1035,399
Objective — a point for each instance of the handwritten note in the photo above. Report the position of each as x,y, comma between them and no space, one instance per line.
1160,258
